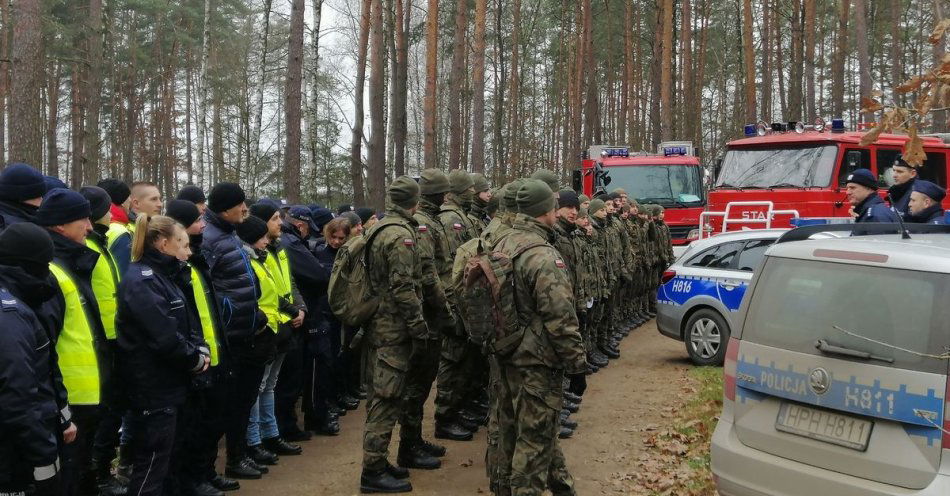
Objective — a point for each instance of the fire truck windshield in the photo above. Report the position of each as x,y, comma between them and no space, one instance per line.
792,167
667,185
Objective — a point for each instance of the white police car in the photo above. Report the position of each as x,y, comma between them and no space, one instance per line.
705,285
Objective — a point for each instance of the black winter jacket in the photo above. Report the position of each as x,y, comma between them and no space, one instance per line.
326,256
14,212
28,408
158,331
233,279
309,275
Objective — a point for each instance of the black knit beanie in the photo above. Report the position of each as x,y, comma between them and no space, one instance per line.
252,230
27,245
184,211
225,196
118,190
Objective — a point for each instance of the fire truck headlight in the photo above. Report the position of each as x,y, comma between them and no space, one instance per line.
762,128
819,124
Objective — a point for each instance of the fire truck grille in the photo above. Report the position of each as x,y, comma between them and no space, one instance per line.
680,232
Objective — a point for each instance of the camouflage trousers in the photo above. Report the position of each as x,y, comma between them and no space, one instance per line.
501,430
537,462
423,368
452,379
386,368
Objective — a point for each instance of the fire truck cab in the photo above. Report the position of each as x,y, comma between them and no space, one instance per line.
672,178
776,174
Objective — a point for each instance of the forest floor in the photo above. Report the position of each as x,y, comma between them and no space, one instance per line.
644,428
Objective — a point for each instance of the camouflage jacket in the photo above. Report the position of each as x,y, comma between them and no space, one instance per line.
636,242
544,301
478,219
607,263
458,227
395,272
498,226
665,243
434,258
566,242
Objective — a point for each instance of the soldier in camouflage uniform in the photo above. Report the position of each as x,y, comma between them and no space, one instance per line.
454,377
552,347
603,282
431,243
483,195
395,332
548,177
664,247
634,226
653,275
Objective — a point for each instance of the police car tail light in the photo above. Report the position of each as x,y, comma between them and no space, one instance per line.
729,369
946,417
667,276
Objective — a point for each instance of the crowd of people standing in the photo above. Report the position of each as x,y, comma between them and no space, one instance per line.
140,332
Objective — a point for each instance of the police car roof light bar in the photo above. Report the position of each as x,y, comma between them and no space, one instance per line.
805,232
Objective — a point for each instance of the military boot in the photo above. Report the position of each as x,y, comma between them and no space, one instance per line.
565,433
382,482
573,398
412,455
397,472
436,450
566,421
598,359
452,431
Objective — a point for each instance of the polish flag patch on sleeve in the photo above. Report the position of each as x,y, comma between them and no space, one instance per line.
409,242
423,228
457,226
559,263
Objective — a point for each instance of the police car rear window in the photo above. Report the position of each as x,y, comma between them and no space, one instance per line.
797,302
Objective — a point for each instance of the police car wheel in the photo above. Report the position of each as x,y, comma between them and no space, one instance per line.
706,336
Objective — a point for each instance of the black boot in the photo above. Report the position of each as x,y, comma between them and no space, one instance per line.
571,407
598,359
280,447
565,433
223,483
256,466
329,427
397,472
436,450
382,482
261,456
567,422
242,470
296,435
349,403
611,354
573,398
452,431
412,455
466,424
204,488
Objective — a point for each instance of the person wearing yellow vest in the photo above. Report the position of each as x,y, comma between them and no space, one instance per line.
204,410
83,358
253,232
118,236
105,284
29,414
263,428
161,348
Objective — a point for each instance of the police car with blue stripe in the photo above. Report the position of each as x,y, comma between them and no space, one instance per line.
705,286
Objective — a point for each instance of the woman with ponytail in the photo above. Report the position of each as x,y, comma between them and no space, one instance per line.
161,349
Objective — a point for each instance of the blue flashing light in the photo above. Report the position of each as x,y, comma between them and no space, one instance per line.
750,130
615,152
674,150
837,125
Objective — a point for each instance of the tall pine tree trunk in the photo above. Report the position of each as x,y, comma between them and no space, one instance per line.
313,102
795,71
938,50
456,82
255,143
478,89
356,144
837,64
399,115
748,58
811,107
26,130
666,74
429,105
93,88
689,84
377,93
52,119
293,101
514,90
765,91
4,75
864,58
203,97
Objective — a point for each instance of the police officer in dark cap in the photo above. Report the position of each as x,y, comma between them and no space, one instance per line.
31,417
866,204
904,178
21,190
924,205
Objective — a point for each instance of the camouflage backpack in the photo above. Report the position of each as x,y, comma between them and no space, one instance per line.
350,294
486,298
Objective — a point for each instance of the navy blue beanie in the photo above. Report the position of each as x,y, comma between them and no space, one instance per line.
192,193
62,206
20,182
321,217
936,193
53,182
118,190
864,177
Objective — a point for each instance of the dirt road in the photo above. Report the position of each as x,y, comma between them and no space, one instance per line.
620,401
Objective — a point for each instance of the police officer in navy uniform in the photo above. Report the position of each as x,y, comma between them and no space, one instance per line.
898,195
30,423
924,206
160,344
866,204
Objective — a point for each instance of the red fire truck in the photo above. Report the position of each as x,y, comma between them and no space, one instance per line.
672,178
786,170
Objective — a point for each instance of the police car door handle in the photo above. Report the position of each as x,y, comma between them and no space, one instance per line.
730,284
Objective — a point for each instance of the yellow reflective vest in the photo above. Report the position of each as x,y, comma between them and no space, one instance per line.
75,347
269,301
115,232
203,302
105,285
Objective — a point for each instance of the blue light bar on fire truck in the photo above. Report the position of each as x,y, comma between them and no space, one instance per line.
615,152
674,150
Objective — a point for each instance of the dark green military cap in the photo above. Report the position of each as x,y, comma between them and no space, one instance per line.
535,198
460,181
510,198
619,191
433,182
481,184
404,192
548,177
583,198
582,213
596,205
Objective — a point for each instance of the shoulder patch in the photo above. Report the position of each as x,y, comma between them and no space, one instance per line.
147,272
408,242
423,228
457,226
559,263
